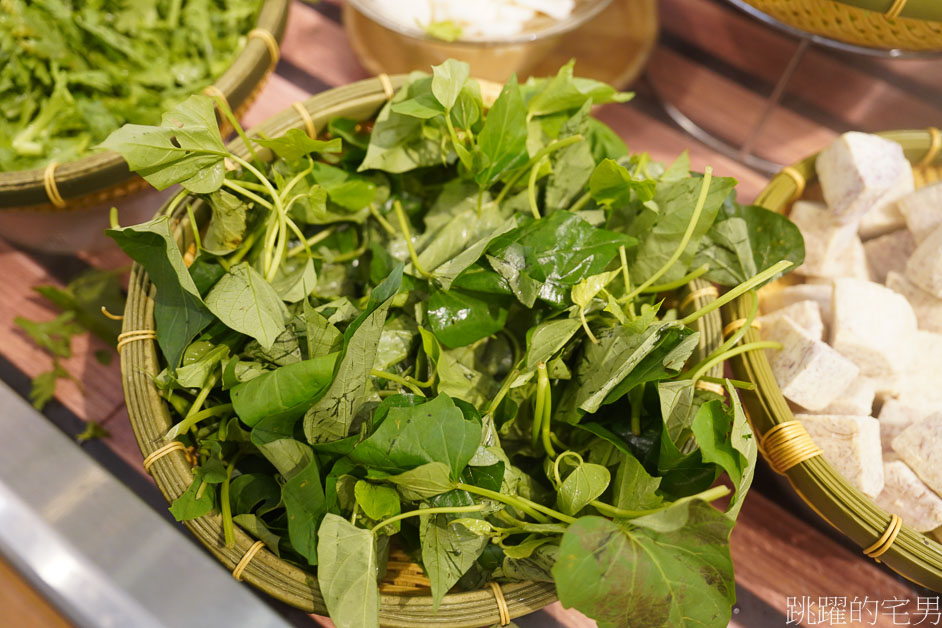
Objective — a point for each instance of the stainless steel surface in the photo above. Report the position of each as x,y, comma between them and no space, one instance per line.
97,552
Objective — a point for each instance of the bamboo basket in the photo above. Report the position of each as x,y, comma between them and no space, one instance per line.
104,176
913,25
912,554
405,594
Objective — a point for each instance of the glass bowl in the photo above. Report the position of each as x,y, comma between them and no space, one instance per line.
387,46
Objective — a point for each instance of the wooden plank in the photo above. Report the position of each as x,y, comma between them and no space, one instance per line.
729,110
778,556
319,46
665,143
101,392
857,97
22,605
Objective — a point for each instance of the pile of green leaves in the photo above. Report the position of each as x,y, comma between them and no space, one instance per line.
80,304
448,331
72,72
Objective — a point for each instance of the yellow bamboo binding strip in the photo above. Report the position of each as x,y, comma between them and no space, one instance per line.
935,144
306,118
799,180
49,182
788,444
709,291
736,324
128,337
884,543
107,314
216,94
157,454
387,85
269,40
246,559
710,387
501,604
895,9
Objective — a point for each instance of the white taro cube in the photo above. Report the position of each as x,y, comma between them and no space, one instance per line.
858,171
898,413
808,371
889,253
904,494
805,314
886,216
826,241
928,307
920,382
924,267
772,298
920,446
872,326
922,210
857,399
851,444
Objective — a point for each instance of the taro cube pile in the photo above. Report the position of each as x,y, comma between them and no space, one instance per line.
862,336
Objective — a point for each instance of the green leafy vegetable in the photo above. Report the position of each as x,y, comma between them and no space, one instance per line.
71,73
456,329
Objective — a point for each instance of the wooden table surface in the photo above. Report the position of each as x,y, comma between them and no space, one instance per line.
714,63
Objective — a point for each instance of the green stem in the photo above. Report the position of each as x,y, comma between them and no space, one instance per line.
402,381
519,502
194,227
742,288
635,397
239,187
531,190
579,204
737,383
547,414
542,385
318,237
271,267
388,228
444,510
504,389
228,115
752,346
297,179
540,154
407,234
585,326
623,259
685,240
174,202
227,529
244,248
193,415
732,340
683,281
709,495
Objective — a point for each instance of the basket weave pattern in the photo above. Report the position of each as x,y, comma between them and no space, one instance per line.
854,25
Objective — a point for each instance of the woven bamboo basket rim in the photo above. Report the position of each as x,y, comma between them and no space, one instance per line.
103,176
172,472
911,554
911,25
